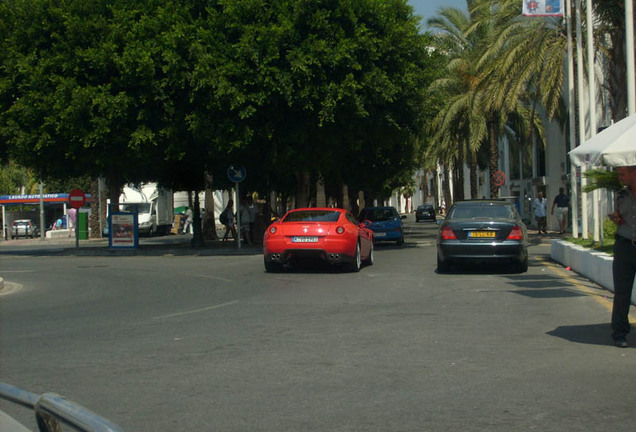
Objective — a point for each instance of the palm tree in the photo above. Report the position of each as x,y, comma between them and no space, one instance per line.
522,63
457,124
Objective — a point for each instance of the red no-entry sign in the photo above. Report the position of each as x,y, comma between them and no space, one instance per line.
76,198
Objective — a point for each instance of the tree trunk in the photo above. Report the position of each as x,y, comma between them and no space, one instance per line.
458,184
494,158
446,188
114,184
435,186
321,198
302,189
95,231
209,219
474,191
197,237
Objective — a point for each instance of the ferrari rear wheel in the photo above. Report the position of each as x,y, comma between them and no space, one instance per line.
357,261
369,261
271,267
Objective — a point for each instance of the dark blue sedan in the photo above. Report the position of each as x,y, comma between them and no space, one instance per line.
385,222
482,230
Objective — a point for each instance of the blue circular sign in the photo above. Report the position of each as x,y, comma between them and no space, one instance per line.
236,173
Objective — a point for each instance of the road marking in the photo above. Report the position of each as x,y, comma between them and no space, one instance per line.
194,311
211,277
605,301
18,271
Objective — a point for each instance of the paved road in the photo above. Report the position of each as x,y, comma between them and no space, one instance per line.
198,342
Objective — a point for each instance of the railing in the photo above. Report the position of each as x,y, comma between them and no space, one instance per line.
52,411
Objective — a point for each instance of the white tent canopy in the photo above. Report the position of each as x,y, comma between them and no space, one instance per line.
614,146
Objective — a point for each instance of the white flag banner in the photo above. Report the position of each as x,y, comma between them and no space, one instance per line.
542,8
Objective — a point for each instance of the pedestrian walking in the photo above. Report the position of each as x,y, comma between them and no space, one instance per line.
227,219
624,264
561,202
244,212
540,213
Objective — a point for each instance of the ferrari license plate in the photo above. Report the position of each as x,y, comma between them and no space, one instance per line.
481,234
304,239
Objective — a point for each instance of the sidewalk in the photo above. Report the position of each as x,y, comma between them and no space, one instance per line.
150,246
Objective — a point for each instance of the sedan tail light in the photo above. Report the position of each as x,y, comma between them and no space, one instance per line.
515,234
448,234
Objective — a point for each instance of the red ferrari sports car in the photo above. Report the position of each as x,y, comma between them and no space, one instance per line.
329,234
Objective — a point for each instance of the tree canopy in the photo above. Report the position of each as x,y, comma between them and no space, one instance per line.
169,90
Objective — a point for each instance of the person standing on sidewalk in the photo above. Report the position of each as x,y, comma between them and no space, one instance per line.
187,226
561,201
540,213
624,264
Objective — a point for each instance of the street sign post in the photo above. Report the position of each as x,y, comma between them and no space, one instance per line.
76,199
499,178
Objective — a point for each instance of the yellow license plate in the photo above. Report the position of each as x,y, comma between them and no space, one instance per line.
481,234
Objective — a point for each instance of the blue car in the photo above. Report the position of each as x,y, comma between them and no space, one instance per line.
385,222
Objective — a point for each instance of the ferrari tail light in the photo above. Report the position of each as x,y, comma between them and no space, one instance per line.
448,234
340,230
516,233
272,230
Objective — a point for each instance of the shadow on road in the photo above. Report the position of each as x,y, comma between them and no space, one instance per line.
590,334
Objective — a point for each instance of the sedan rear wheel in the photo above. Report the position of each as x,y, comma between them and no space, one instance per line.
442,266
522,267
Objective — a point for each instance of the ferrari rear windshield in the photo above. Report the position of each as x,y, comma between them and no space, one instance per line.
313,216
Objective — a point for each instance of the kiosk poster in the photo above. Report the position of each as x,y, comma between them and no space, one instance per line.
123,232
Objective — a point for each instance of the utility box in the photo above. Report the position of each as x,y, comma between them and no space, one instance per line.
82,225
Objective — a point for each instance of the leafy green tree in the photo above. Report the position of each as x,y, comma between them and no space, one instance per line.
14,179
336,88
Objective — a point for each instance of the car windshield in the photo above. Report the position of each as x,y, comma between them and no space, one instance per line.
142,207
313,216
377,215
482,211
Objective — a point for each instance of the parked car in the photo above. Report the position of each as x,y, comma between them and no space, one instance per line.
24,228
425,212
482,230
329,234
385,222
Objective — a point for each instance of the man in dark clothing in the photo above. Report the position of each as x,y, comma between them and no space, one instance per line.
561,202
624,264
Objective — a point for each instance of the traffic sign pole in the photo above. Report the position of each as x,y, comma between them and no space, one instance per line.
76,198
237,174
238,214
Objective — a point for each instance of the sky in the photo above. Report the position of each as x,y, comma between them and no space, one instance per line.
429,8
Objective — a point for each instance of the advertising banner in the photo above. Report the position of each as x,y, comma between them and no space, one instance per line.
123,232
542,8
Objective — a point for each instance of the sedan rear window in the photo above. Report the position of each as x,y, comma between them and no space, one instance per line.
482,211
313,216
378,215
